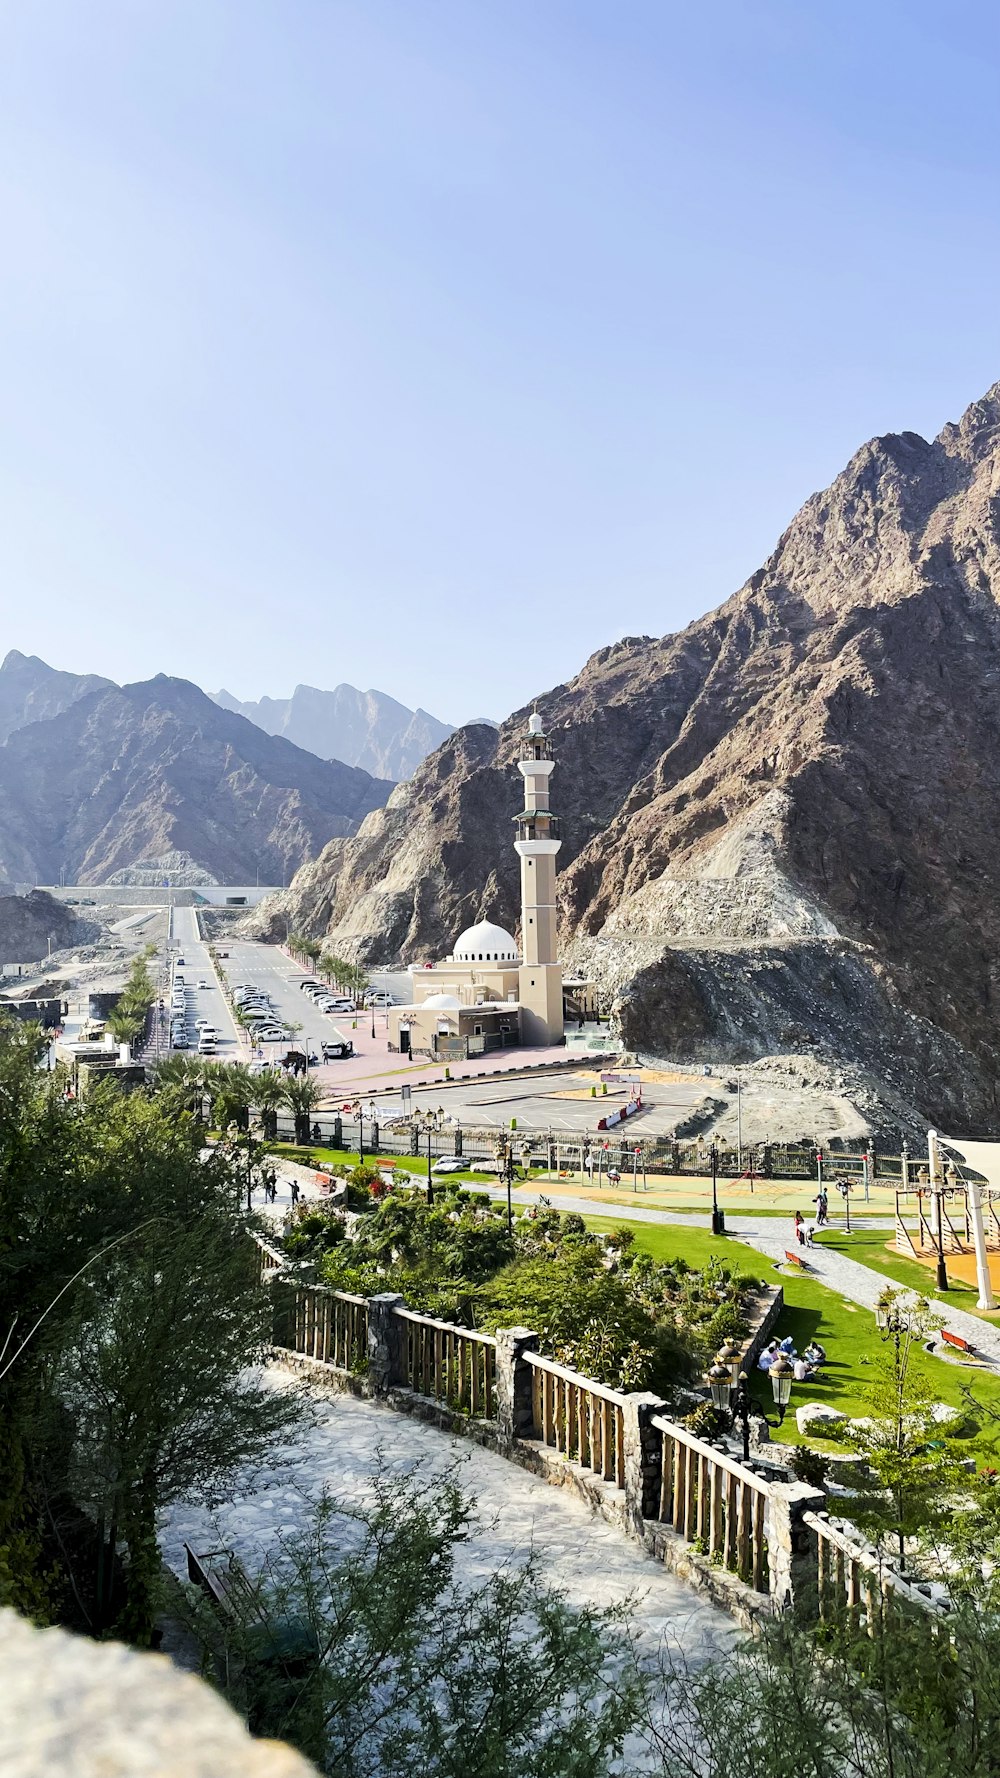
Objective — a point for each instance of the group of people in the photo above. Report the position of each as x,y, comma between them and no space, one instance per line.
804,1231
804,1365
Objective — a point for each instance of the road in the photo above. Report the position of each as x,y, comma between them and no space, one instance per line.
203,1003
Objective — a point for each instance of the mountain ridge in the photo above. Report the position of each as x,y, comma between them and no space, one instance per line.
813,768
367,729
154,769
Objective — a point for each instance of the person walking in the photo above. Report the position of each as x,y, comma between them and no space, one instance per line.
799,1231
294,1189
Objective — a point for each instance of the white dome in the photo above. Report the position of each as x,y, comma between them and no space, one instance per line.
442,1002
485,943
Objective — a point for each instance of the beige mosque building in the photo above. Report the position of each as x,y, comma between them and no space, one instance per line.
487,995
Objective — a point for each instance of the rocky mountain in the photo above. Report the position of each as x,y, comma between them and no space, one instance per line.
363,728
31,691
157,771
29,922
780,825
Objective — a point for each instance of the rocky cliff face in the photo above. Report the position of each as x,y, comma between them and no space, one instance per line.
32,691
29,922
810,772
362,728
158,771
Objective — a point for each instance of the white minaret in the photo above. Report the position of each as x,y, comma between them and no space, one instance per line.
540,974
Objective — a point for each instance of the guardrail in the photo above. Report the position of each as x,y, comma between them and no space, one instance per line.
446,1363
851,1575
581,1419
712,1499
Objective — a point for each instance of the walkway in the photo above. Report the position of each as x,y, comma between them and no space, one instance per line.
585,1558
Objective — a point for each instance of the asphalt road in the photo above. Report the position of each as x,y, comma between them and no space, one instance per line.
202,1003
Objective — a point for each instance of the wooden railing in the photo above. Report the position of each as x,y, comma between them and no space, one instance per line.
330,1326
747,1519
851,1575
453,1365
715,1502
581,1419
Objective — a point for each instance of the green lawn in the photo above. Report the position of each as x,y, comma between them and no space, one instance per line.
811,1310
868,1246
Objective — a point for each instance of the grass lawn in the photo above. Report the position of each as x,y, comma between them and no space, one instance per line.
847,1330
403,1163
868,1246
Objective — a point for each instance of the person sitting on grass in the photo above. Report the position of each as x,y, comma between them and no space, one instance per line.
802,1370
768,1356
815,1353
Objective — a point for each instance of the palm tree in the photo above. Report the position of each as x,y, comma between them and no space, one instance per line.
302,1096
231,1092
182,1081
268,1094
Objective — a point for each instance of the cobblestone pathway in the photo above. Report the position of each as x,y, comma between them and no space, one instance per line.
586,1558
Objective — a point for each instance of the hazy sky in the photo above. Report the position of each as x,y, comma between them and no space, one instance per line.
432,344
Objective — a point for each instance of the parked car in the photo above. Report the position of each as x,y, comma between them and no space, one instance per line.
448,1164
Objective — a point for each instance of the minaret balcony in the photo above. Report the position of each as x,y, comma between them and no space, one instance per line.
530,766
537,824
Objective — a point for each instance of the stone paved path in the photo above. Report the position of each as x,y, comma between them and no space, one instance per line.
588,1559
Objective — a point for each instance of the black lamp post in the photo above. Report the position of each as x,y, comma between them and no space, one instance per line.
430,1182
718,1216
737,1401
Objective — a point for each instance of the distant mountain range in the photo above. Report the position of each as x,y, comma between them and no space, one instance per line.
363,728
96,777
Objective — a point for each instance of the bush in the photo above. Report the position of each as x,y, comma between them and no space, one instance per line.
809,1465
706,1421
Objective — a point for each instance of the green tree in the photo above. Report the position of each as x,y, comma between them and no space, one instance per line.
910,1477
268,1096
127,1019
303,1096
132,1315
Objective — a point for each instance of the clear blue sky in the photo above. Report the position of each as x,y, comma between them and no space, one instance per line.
432,344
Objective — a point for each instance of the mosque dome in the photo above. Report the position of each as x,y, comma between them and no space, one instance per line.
485,943
443,1002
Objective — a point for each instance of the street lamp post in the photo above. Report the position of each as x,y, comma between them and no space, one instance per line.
718,1216
937,1188
733,1397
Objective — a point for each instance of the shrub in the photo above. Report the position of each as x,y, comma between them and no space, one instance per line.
809,1465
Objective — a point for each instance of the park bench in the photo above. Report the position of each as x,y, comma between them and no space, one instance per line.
953,1339
218,1573
795,1259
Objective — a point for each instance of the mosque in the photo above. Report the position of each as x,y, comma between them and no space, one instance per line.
486,995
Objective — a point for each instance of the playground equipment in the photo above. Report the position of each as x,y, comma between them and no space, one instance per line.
945,1204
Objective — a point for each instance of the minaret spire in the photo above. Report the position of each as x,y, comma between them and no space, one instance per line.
537,843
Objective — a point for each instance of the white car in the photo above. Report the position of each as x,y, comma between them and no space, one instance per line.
206,1046
204,984
449,1164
